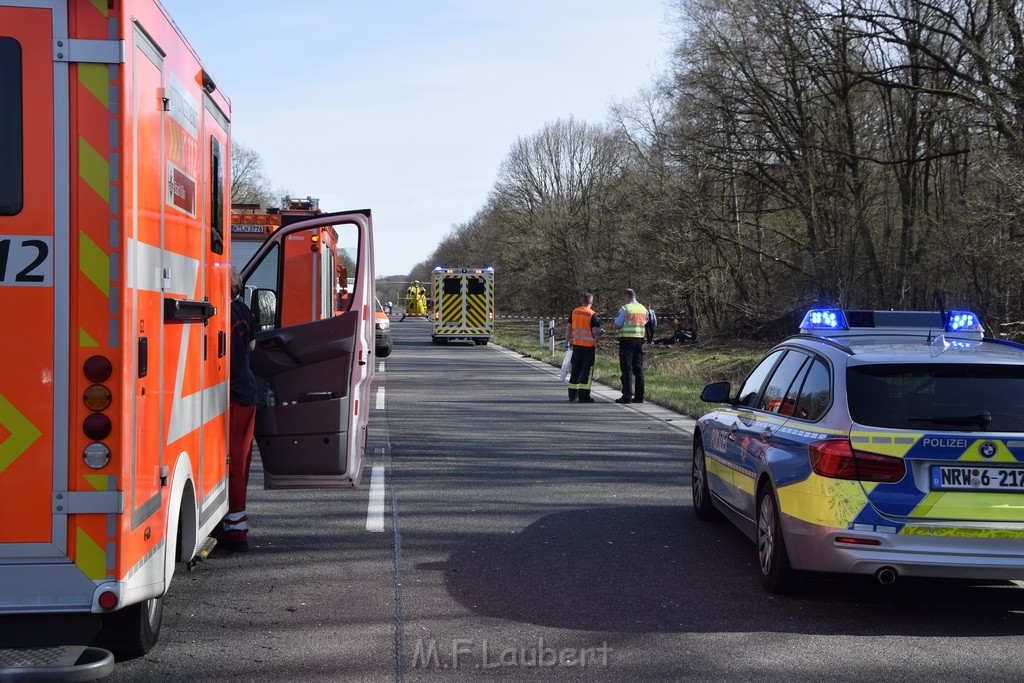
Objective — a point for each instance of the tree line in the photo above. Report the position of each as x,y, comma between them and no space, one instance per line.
860,153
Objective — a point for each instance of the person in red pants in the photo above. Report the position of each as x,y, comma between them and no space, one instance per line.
234,529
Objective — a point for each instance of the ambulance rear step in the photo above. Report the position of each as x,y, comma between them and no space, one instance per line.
58,663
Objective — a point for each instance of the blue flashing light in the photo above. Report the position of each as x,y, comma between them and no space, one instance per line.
438,269
824,319
963,321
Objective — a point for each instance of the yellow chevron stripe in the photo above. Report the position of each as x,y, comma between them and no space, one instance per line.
94,263
94,78
85,339
101,6
22,433
89,556
98,481
94,169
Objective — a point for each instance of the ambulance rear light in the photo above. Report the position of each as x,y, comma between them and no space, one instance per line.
97,397
107,600
96,455
96,426
97,369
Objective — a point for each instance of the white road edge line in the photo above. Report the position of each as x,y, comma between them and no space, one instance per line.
375,509
380,398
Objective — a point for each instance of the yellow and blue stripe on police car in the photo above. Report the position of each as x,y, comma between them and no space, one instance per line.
915,505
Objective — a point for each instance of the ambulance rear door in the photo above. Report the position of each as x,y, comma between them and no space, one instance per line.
314,376
34,297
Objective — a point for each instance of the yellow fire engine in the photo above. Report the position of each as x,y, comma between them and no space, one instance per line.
114,169
463,304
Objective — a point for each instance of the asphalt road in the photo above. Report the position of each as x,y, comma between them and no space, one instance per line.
525,536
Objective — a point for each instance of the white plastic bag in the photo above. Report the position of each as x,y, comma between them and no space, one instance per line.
564,376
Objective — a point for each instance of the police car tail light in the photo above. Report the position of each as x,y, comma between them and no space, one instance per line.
963,321
818,319
836,459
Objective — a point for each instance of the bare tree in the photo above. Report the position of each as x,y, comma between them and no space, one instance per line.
249,183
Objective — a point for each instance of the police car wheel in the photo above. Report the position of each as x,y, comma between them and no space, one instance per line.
702,505
777,575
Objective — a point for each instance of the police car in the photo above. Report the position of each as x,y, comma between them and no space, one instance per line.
885,443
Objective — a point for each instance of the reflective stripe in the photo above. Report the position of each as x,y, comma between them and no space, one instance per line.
633,325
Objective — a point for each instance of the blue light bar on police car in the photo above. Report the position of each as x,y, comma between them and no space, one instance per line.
824,319
963,321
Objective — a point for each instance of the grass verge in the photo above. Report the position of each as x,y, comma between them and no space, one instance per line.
674,375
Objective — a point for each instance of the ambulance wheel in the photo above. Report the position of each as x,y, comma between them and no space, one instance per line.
132,631
385,351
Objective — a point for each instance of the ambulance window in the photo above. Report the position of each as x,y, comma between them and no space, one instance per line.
216,198
476,285
452,285
11,153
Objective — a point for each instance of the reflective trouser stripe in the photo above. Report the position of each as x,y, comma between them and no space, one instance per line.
586,385
236,521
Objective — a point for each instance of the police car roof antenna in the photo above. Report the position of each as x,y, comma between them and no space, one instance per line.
938,303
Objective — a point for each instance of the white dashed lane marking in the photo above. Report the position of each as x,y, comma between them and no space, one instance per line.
375,509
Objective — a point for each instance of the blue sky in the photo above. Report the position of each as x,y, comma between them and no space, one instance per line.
409,107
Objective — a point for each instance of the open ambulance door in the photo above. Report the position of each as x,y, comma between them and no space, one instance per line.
314,375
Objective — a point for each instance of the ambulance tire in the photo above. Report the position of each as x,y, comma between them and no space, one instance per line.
480,342
132,631
385,351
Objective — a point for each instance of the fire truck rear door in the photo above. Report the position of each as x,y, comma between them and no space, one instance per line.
314,376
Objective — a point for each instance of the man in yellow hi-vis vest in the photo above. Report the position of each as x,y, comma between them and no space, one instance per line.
630,323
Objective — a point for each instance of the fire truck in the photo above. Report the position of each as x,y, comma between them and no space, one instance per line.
114,168
463,304
320,277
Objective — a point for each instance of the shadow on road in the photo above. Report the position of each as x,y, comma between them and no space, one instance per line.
655,569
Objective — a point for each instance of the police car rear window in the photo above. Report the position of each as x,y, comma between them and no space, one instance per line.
11,153
929,397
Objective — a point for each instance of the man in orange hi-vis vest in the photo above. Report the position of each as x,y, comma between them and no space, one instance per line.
630,322
581,334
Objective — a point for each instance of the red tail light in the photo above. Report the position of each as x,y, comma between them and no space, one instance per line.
837,459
